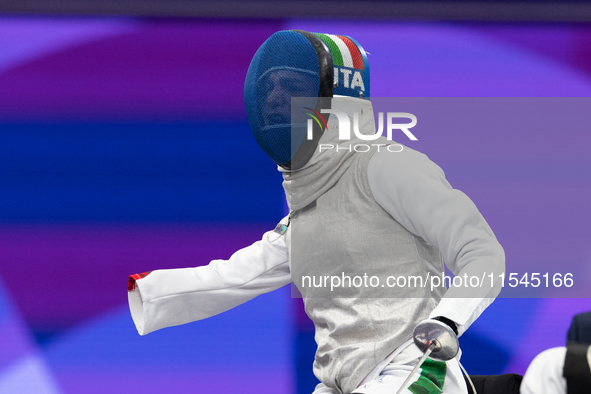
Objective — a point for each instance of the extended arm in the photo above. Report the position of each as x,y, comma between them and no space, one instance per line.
171,297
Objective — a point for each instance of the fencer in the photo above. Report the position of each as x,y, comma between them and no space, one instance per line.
379,212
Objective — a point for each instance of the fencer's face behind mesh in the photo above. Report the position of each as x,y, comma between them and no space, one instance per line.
296,63
276,90
286,65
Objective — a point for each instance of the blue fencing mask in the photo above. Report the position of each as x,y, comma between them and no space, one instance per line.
296,63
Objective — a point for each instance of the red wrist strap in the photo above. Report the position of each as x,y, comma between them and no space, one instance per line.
133,278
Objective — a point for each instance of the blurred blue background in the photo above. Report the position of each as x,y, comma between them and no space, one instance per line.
124,147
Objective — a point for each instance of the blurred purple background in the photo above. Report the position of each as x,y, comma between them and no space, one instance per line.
124,147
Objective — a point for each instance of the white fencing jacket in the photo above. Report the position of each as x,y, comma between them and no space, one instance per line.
400,183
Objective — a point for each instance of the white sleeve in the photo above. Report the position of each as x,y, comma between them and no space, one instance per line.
413,189
544,374
171,297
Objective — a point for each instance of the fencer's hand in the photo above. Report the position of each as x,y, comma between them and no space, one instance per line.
449,322
438,335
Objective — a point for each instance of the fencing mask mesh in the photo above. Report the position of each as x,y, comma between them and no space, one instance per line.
295,63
